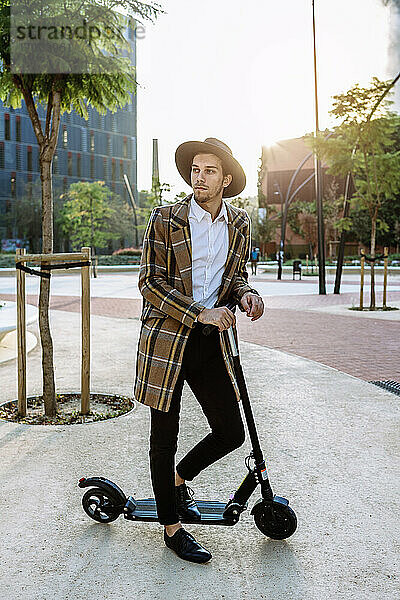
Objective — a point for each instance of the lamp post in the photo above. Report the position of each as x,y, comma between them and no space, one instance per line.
283,226
133,204
318,181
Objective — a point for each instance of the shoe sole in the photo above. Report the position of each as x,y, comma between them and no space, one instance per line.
200,561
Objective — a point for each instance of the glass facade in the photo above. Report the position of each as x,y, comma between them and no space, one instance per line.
86,151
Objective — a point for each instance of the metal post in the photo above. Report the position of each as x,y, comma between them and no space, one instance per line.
340,258
85,310
155,187
385,252
21,338
362,280
282,240
133,204
318,182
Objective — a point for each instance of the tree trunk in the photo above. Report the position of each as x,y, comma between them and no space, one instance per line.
47,142
49,395
373,238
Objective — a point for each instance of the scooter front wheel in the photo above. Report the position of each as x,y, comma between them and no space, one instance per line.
274,520
100,506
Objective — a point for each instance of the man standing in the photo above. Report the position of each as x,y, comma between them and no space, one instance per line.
254,257
193,263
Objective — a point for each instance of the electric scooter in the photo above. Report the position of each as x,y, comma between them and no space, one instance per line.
105,501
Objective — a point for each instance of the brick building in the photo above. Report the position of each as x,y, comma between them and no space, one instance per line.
279,164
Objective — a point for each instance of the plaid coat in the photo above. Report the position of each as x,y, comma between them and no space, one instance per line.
169,311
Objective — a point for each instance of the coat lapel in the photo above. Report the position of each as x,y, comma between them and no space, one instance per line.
182,246
236,241
181,242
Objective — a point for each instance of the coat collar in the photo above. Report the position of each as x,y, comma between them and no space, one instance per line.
198,213
180,214
181,242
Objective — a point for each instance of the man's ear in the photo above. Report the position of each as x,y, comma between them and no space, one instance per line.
227,180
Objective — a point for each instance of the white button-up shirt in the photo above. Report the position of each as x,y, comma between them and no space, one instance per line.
210,242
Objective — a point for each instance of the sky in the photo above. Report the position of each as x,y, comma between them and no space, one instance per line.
243,72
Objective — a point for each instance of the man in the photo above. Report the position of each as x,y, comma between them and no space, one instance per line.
193,263
254,257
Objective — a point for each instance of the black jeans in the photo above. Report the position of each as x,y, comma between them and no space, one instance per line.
204,369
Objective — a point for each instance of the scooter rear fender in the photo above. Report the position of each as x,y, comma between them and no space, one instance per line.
105,484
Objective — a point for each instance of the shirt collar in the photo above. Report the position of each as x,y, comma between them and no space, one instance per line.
195,211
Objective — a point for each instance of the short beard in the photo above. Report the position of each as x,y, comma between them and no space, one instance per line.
208,197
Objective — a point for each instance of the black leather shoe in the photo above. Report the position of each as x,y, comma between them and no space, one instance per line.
185,504
186,547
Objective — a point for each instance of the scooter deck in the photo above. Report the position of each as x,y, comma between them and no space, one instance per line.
211,512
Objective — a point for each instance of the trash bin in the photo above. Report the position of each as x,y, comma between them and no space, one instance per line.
296,268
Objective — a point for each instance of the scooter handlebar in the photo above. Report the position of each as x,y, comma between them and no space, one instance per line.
208,329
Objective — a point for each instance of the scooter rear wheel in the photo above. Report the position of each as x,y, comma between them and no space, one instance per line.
276,521
100,506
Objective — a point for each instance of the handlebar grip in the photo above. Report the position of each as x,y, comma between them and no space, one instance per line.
208,329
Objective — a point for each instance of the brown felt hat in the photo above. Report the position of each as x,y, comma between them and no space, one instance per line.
187,151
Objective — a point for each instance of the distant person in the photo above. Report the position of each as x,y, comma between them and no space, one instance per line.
254,258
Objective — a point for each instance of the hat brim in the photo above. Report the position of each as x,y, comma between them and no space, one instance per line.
187,151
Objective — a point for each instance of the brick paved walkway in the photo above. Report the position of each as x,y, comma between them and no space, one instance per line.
366,348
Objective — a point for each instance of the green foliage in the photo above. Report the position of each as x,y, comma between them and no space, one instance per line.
302,216
260,178
180,196
119,259
108,88
65,89
366,147
248,203
264,230
25,218
86,214
120,222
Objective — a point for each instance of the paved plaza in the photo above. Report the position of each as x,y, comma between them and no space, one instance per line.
330,439
297,319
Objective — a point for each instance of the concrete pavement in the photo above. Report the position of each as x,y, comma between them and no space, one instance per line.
298,320
331,444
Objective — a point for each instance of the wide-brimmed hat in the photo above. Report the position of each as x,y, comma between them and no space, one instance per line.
187,151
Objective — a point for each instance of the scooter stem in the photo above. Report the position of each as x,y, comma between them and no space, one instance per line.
232,342
261,469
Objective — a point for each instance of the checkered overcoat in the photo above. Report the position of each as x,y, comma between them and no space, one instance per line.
169,311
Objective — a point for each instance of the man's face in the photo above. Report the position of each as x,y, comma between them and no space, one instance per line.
207,177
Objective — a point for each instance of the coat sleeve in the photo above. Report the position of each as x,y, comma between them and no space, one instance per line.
153,283
240,280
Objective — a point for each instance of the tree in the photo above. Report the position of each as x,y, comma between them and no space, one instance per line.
302,216
120,223
266,226
86,214
106,82
365,147
25,216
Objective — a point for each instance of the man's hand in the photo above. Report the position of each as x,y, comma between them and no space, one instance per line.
253,305
222,317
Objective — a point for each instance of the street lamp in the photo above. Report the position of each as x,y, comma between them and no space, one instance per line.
318,182
278,192
133,204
